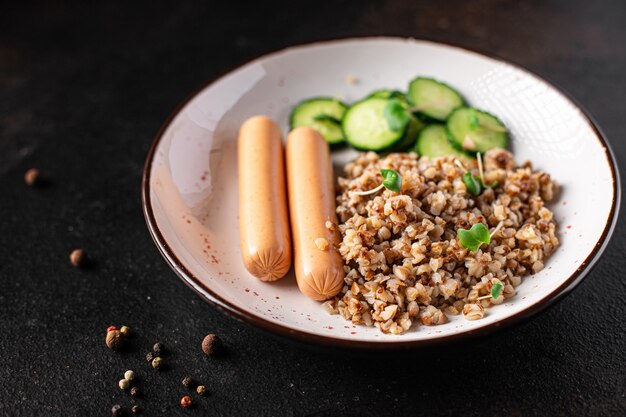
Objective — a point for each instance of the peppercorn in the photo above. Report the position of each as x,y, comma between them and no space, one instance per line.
32,177
136,409
78,258
125,330
124,384
212,345
135,392
130,375
158,349
117,410
185,401
158,362
150,356
201,390
114,340
111,328
188,382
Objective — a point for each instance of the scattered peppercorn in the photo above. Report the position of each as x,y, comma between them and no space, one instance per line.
32,177
150,356
135,392
124,384
130,375
201,390
185,401
136,409
125,330
212,345
114,340
158,349
158,362
78,258
117,410
111,328
188,382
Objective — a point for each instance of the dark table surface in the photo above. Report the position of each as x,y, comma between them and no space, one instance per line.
83,90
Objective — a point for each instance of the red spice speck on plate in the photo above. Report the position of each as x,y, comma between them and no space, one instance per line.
247,290
569,226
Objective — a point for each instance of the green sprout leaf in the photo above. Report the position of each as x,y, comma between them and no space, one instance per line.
474,237
473,118
472,183
325,118
391,179
496,290
396,115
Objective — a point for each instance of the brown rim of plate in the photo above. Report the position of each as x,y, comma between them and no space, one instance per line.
302,336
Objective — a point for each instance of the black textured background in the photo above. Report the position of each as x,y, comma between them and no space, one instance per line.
84,88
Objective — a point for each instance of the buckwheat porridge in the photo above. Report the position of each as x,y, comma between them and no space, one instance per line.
404,259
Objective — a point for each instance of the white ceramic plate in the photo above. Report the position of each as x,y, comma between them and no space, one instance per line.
190,179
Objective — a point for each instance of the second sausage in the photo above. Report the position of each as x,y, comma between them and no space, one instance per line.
318,264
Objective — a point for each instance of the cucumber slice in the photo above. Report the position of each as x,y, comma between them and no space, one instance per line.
366,127
476,131
433,98
387,93
322,114
433,141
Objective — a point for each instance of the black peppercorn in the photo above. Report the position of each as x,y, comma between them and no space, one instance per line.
158,349
150,356
212,345
135,392
136,409
117,410
188,382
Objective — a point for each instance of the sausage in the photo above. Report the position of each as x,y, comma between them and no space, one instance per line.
263,213
318,265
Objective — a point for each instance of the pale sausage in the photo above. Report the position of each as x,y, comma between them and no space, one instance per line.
318,265
263,212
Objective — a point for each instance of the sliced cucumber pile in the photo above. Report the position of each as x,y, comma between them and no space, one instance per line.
323,114
476,131
389,120
433,98
433,141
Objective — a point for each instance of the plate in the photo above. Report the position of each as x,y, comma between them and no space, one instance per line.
190,178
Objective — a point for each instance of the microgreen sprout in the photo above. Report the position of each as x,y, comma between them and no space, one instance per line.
471,182
473,238
396,115
392,180
496,291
